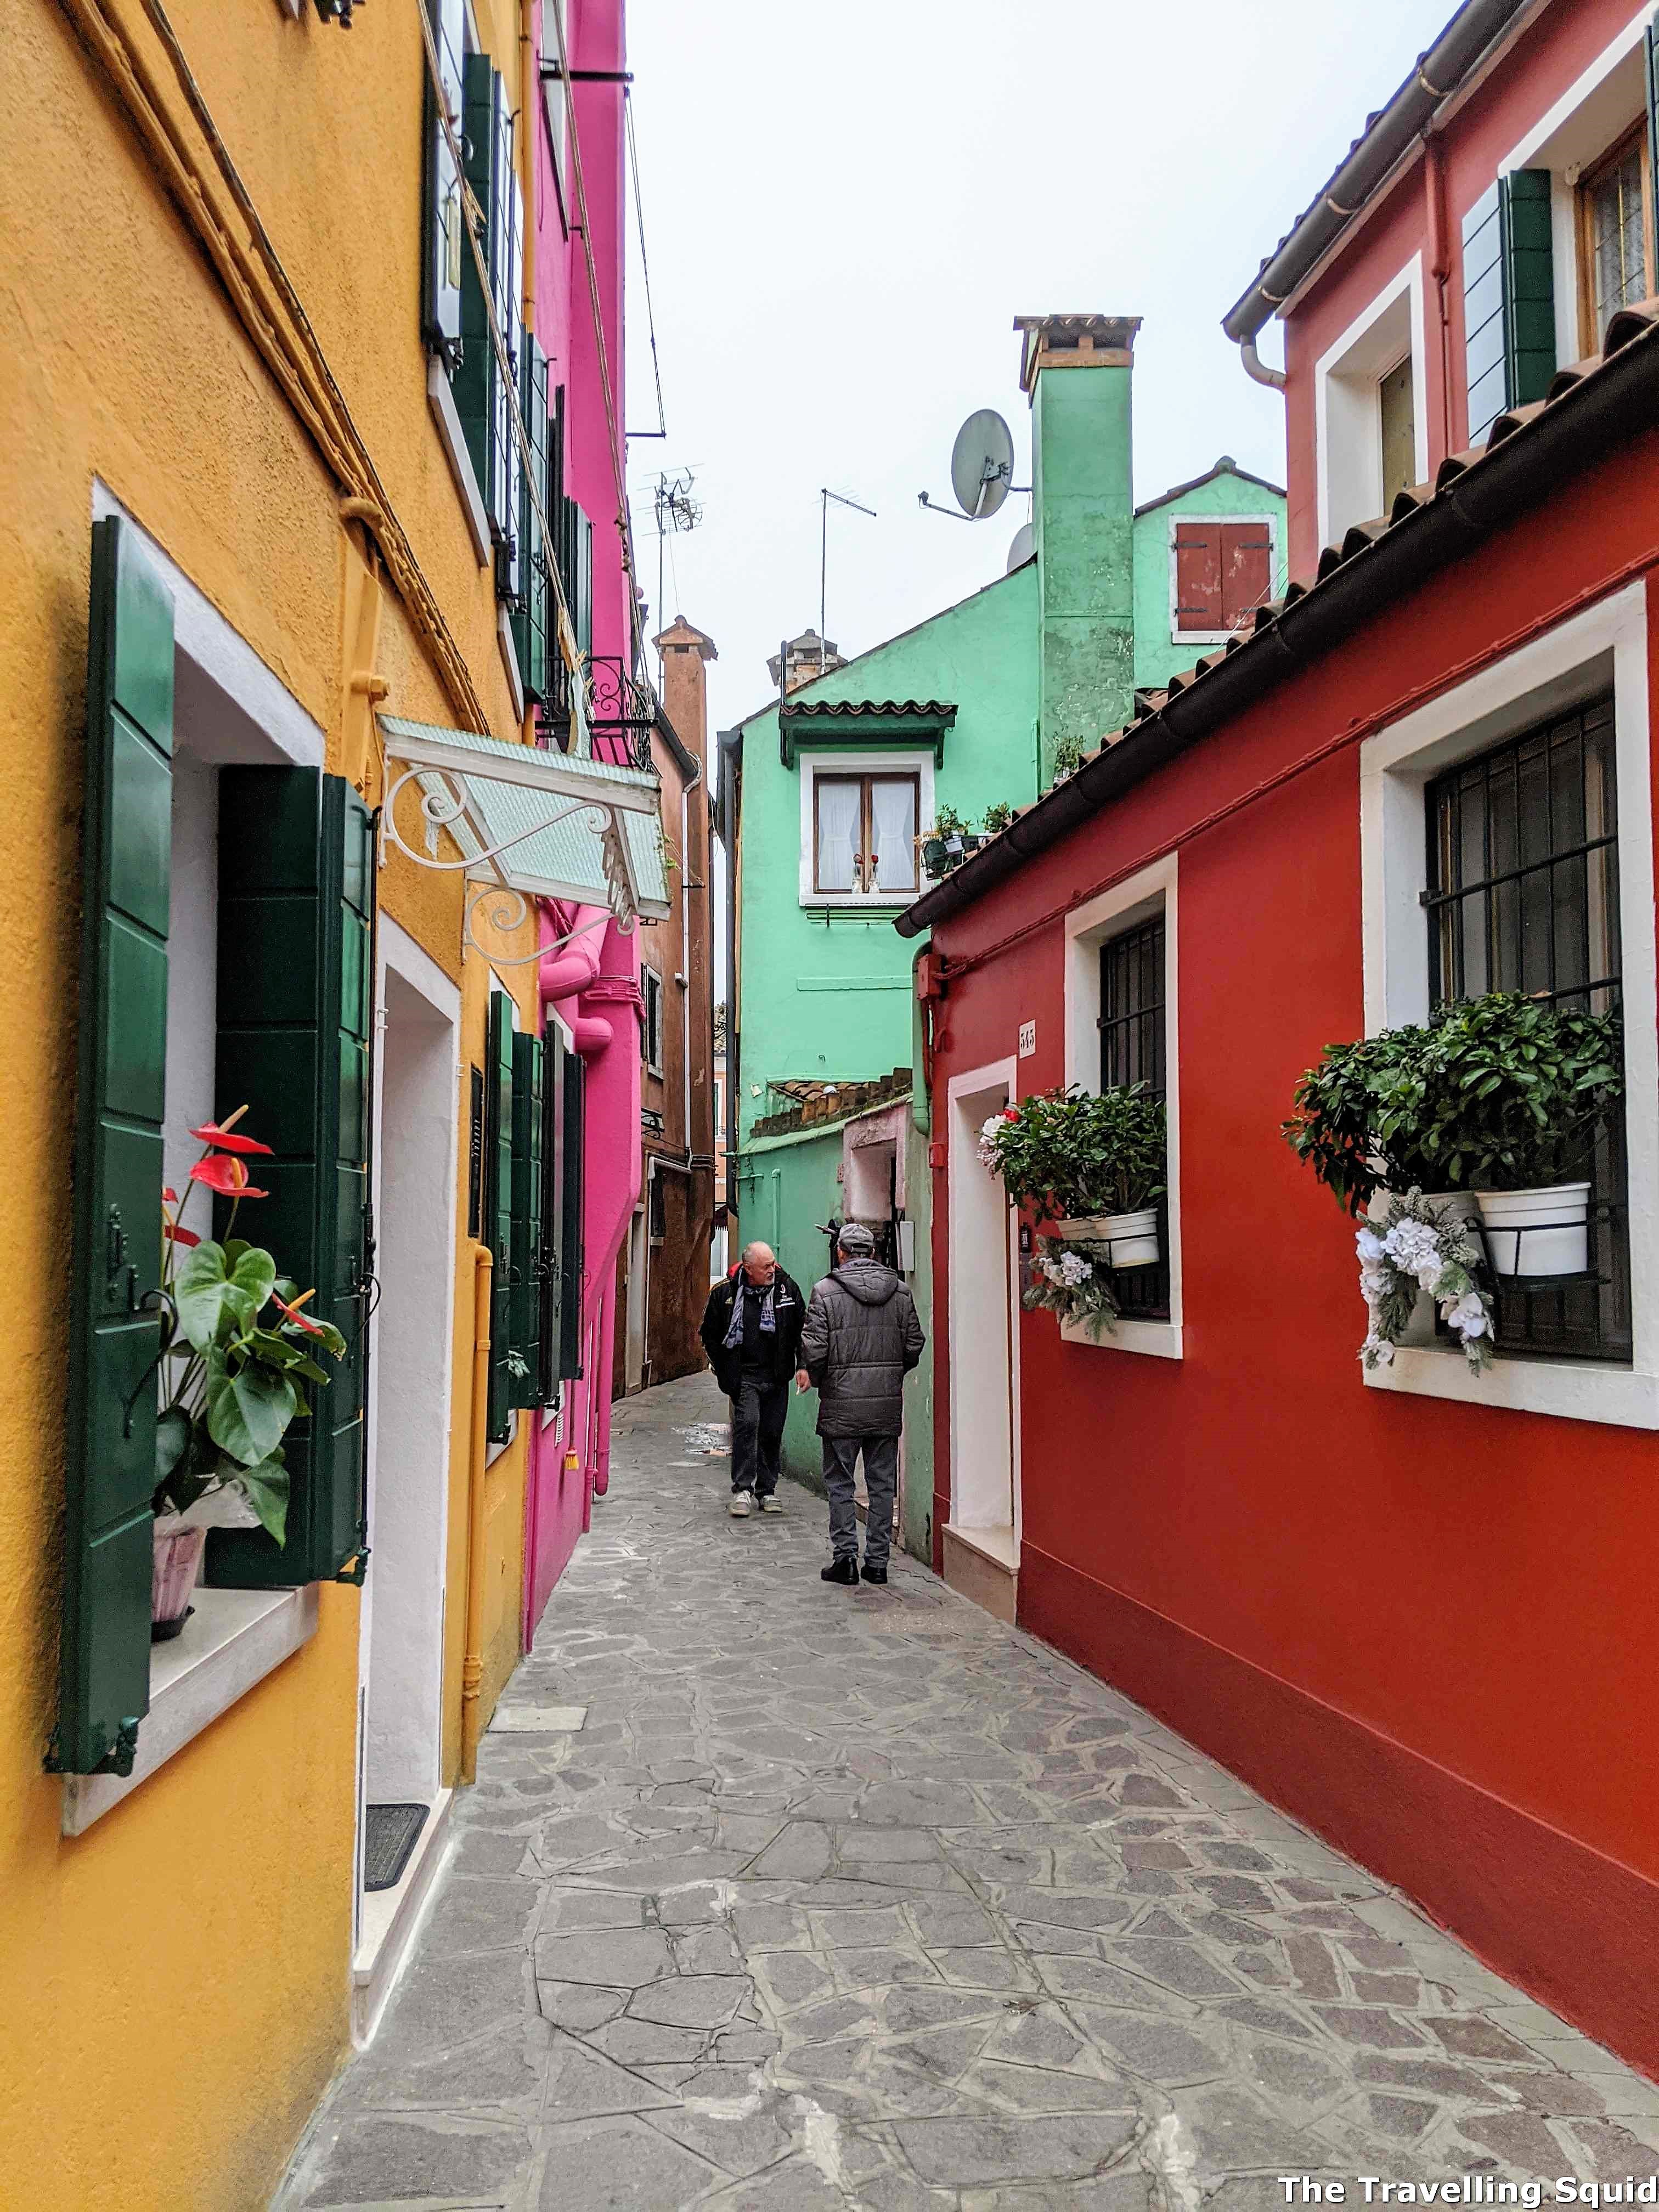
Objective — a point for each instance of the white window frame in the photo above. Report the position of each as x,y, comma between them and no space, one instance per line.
1590,116
1179,636
1571,663
652,1066
919,763
1347,415
1136,899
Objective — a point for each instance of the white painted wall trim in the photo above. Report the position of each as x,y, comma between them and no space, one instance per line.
452,438
1002,1075
202,634
232,1639
1087,928
859,763
1571,663
1179,636
1347,423
1525,154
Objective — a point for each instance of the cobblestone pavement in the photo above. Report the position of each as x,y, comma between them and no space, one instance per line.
861,1900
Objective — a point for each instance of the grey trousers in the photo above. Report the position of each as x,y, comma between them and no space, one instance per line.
841,1457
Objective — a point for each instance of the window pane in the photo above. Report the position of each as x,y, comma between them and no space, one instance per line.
893,826
1132,1050
838,804
1618,254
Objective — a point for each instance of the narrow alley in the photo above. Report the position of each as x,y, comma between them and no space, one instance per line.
775,1895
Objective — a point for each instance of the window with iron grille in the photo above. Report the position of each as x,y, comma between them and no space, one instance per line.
1523,896
651,1038
1132,1050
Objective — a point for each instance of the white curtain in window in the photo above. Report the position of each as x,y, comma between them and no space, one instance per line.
838,834
893,812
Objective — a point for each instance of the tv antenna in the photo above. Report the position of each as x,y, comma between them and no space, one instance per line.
858,507
982,469
676,512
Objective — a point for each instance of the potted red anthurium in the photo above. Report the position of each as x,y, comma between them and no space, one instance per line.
237,1352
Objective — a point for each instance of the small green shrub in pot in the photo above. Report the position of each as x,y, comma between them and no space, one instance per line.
1072,1153
997,818
1499,1093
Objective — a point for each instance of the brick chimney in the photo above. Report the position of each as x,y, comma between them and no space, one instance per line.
1075,370
685,650
809,656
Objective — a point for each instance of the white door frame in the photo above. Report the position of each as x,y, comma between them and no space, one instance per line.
1000,1076
398,953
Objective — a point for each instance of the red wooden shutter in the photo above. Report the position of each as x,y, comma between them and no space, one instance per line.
1246,566
1198,576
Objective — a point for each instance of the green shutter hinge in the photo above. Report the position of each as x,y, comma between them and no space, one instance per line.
117,1760
356,1570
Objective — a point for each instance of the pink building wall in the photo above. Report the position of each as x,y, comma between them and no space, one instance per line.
593,985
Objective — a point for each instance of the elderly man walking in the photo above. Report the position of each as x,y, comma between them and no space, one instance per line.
861,1339
751,1330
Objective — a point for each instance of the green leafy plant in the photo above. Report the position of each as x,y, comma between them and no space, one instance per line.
238,1351
1503,1093
1073,1152
997,818
1068,757
947,823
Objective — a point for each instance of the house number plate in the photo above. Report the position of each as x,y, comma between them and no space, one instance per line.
1027,1039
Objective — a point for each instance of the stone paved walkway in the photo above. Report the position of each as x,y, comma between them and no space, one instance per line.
861,1900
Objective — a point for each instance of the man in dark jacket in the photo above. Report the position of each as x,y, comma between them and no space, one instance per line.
861,1339
751,1330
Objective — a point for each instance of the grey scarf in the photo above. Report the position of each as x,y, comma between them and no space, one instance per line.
734,1337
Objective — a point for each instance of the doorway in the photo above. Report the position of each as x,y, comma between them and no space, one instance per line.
981,1538
403,1804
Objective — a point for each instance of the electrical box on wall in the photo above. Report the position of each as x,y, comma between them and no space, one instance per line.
907,1248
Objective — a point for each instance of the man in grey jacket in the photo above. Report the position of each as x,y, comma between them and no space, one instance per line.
861,1341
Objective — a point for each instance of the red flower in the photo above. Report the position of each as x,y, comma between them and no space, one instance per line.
175,1235
227,1139
292,1312
227,1176
169,1196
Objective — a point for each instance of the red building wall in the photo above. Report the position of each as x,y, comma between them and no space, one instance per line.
1423,1626
1546,60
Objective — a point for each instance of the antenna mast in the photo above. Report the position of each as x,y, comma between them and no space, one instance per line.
840,499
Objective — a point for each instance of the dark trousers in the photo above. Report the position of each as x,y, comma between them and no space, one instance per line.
758,1414
840,1458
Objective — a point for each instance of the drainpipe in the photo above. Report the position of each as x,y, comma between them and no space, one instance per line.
1439,229
1256,368
600,1385
472,1657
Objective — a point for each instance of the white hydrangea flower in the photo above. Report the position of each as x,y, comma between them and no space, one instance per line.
1375,1284
1369,1245
1075,1270
1414,1247
1376,1352
1466,1315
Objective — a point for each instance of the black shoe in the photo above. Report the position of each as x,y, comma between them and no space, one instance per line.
874,1574
845,1571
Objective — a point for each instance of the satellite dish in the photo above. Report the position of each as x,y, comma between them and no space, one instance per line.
1024,546
982,464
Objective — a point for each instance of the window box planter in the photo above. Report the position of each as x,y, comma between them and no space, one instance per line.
1540,1232
1124,1240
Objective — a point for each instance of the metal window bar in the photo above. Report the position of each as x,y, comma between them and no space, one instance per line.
1133,1048
1523,896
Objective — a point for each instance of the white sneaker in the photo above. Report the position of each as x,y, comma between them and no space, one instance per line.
742,1505
771,1504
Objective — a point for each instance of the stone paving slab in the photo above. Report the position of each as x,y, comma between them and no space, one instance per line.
858,1899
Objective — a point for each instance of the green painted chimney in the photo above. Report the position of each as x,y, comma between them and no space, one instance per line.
1075,371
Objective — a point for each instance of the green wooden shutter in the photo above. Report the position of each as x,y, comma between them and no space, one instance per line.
572,1259
524,1385
110,1435
1509,297
1529,285
584,582
296,902
1650,80
498,1209
552,1224
444,247
530,621
475,380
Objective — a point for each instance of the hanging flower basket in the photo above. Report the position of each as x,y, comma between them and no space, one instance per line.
1415,1247
1071,1282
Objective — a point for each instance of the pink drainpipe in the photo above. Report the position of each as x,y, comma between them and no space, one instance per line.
590,984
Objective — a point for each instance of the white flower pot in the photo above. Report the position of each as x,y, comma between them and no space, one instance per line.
1130,1239
1537,1232
1453,1205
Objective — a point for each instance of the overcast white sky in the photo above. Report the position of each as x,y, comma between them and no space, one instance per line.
846,205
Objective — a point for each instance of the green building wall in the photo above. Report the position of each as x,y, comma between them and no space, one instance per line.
1158,655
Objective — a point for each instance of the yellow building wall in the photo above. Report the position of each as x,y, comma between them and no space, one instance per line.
174,1984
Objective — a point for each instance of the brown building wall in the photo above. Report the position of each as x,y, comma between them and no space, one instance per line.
663,1270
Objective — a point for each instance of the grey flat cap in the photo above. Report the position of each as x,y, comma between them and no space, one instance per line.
855,1238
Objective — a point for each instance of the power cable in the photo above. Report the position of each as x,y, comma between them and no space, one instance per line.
661,430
